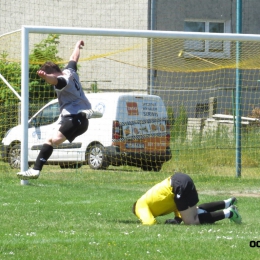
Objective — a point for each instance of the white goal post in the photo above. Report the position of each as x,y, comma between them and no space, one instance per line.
26,30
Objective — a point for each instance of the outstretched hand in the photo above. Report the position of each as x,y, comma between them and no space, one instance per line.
42,74
49,78
175,221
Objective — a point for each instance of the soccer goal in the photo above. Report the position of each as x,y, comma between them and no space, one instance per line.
208,83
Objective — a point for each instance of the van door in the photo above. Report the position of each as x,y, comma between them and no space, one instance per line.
40,127
143,120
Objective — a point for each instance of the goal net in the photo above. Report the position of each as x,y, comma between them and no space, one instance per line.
208,84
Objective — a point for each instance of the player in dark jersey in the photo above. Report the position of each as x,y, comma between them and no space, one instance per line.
75,108
178,194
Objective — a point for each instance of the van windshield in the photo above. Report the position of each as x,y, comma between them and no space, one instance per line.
47,116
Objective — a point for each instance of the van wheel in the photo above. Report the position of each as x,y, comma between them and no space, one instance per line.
97,158
14,156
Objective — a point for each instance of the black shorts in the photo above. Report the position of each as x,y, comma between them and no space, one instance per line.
185,193
73,126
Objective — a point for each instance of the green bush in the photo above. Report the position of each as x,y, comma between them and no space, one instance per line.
179,127
39,92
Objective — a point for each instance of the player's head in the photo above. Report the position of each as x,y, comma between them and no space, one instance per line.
50,68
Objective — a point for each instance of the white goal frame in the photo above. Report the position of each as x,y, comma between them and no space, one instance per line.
26,30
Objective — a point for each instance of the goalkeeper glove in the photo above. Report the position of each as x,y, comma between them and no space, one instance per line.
175,221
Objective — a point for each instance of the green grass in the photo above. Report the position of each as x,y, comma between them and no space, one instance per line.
85,214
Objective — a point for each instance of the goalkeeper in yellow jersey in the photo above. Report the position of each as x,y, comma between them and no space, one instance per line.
177,194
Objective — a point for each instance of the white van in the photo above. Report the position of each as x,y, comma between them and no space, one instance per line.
133,130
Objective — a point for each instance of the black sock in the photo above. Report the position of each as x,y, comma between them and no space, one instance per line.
213,206
211,217
43,156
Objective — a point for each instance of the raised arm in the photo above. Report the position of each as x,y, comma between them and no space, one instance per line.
76,52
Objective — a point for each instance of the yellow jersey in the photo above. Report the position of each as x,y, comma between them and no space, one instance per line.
157,201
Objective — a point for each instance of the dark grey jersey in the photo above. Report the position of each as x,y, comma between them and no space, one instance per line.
71,97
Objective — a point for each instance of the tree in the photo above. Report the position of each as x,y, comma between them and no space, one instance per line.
11,71
46,50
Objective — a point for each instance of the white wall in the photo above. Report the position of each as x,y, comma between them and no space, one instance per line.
124,14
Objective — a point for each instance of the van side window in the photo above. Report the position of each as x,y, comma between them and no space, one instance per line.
48,115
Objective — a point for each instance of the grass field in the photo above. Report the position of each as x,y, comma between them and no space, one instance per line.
85,214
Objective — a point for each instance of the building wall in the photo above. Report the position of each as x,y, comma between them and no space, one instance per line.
170,14
89,13
194,88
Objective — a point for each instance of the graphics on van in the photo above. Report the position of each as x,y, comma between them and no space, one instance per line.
100,107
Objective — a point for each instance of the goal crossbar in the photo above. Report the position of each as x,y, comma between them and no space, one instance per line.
141,33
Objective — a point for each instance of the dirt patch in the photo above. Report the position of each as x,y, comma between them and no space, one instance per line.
253,195
232,193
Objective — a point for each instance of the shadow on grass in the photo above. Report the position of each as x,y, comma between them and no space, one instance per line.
125,221
124,170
